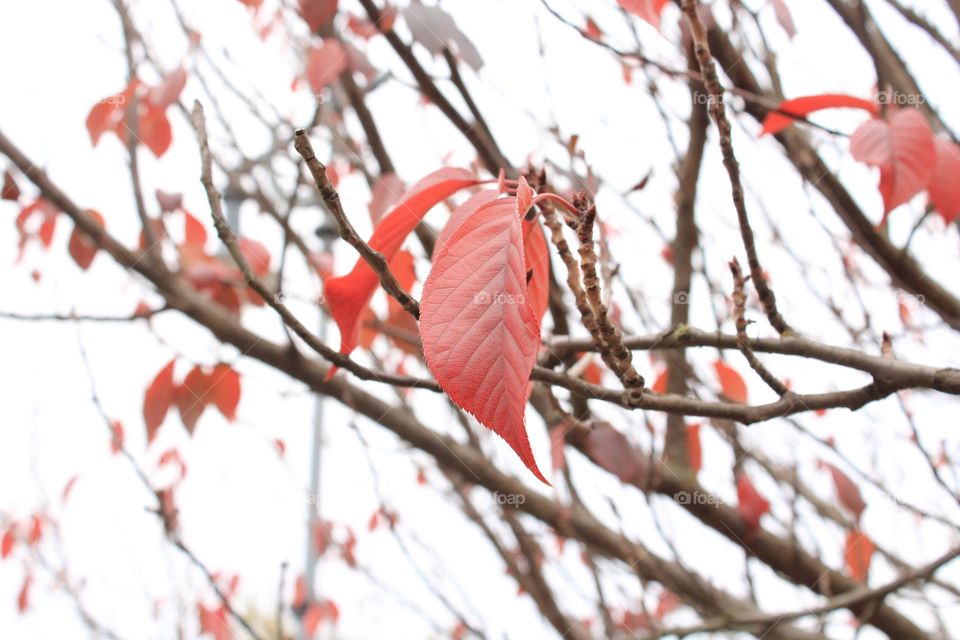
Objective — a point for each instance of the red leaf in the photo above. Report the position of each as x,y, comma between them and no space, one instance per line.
693,447
214,622
904,150
68,488
10,189
169,89
611,450
256,256
349,295
317,613
660,383
784,17
169,201
191,397
847,492
945,186
557,442
777,121
592,30
317,13
194,233
157,400
36,530
23,599
42,232
109,113
116,437
325,63
6,544
225,390
536,258
154,129
732,385
649,10
750,504
81,247
857,554
480,336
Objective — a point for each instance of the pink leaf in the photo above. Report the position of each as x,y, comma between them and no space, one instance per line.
325,63
945,186
169,89
349,295
777,121
784,17
81,247
480,337
904,150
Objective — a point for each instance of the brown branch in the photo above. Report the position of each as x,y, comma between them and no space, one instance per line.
331,198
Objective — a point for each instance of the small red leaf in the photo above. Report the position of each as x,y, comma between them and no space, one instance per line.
214,622
317,13
858,554
480,336
116,437
194,233
191,397
847,492
732,385
777,121
169,201
169,89
6,544
750,504
903,149
649,10
611,450
158,399
349,295
225,390
784,17
945,186
81,247
256,256
36,530
10,189
325,63
154,129
23,599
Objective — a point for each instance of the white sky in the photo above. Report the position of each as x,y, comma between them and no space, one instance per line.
242,506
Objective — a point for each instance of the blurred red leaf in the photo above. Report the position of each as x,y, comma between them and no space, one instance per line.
116,437
225,390
903,148
693,446
214,622
191,397
194,233
847,492
169,201
10,189
81,247
732,385
325,63
649,10
157,400
317,13
36,529
777,121
945,186
750,504
784,17
611,450
23,599
858,554
169,89
6,544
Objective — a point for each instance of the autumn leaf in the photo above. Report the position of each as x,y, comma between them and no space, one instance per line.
23,598
480,336
168,91
611,450
317,13
348,296
6,543
784,17
194,233
10,189
847,492
778,120
750,504
214,622
191,397
903,148
225,390
81,247
945,185
858,554
256,255
325,63
157,400
649,10
732,385
169,202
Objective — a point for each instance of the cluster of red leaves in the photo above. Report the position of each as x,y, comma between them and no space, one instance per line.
38,221
201,387
313,614
152,126
899,142
29,534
